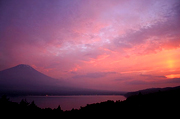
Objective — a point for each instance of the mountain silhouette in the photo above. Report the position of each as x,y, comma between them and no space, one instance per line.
25,80
24,74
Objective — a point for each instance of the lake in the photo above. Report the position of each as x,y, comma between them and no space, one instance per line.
67,102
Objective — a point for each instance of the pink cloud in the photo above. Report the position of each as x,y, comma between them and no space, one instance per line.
92,39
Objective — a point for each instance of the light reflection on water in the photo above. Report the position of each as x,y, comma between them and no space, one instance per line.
67,102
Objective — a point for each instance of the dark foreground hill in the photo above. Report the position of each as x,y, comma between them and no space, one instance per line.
162,104
150,90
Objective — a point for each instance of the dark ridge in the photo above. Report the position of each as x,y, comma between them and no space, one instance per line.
160,104
150,90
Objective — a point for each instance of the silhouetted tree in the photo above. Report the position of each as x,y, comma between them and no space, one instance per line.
59,107
58,110
24,103
33,105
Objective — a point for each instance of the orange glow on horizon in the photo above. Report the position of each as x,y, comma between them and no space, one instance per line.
112,43
173,76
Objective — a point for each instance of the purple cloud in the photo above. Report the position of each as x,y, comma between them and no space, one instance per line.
67,38
94,75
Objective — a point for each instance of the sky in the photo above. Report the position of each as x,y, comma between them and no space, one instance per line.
120,45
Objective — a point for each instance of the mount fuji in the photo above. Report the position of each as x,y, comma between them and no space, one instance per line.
25,80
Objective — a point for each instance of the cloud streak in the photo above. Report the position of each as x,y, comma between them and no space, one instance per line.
102,40
94,75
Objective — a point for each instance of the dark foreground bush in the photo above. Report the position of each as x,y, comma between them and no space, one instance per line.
153,105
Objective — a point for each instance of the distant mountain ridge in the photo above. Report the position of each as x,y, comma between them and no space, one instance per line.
150,90
25,80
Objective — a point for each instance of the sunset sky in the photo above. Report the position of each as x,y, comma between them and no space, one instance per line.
120,45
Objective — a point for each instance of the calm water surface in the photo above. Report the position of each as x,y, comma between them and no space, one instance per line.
67,102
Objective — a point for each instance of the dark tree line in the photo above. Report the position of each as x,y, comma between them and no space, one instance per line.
25,109
153,105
